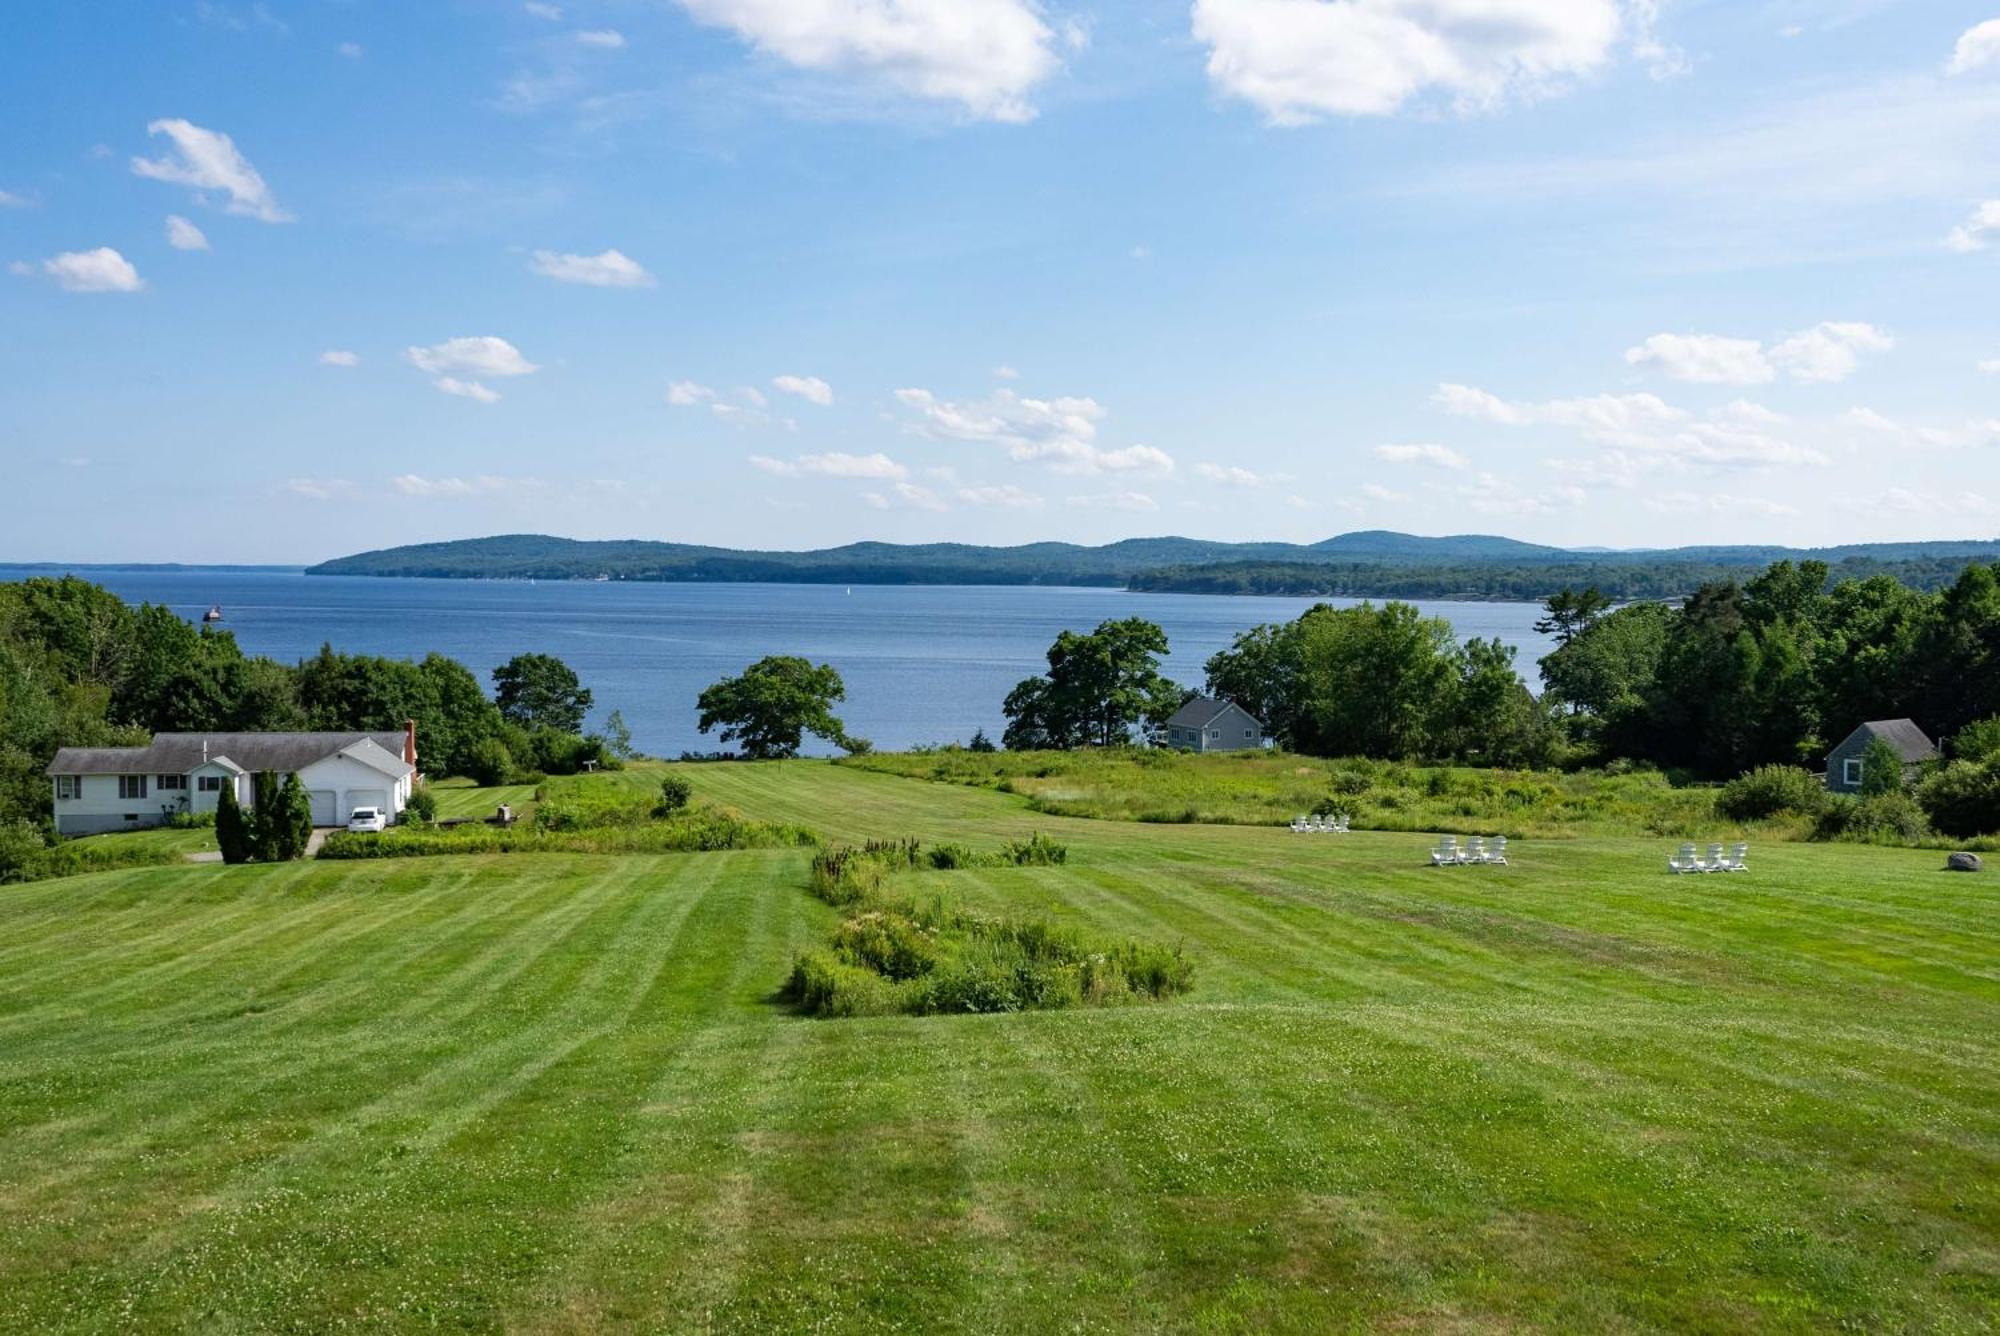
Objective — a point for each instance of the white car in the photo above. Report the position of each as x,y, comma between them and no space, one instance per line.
368,819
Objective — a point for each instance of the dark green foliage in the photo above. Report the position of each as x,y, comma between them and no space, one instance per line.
1038,850
770,708
1977,741
1963,799
1099,689
422,806
232,830
674,794
950,857
266,820
1888,818
1568,613
1882,769
1771,790
290,823
488,763
541,691
980,742
27,855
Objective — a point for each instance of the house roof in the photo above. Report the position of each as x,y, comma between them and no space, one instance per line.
1205,710
1902,734
179,753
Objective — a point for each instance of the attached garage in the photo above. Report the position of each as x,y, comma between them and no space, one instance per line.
375,798
325,807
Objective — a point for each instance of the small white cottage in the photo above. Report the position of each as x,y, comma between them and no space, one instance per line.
124,788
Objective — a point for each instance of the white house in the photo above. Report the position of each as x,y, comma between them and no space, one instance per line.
122,788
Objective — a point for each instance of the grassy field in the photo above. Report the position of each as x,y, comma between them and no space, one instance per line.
556,1093
463,798
1271,788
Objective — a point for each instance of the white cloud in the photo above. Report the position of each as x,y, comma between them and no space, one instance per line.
1991,366
184,235
1137,502
688,393
1436,456
1059,432
906,494
100,270
810,388
1977,230
604,39
208,160
1490,494
610,269
1709,359
10,200
351,50
339,357
1977,47
1829,351
1229,475
1968,434
1298,61
466,389
483,355
320,489
984,55
1737,435
1006,497
553,13
832,465
1005,373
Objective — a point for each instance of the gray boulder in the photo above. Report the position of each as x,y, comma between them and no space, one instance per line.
1962,862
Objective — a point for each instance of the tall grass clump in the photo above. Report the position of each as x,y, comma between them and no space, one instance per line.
701,829
1771,791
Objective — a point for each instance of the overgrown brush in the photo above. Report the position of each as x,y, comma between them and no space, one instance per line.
27,855
696,830
1770,791
847,874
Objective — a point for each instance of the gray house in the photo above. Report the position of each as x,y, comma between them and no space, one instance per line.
1843,763
1205,725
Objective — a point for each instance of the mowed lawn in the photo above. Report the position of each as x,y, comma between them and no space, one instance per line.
554,1092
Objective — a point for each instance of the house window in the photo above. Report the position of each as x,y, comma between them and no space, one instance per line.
1215,735
172,783
69,786
131,787
209,783
1850,771
1250,733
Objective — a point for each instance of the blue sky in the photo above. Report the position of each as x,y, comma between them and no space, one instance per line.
292,279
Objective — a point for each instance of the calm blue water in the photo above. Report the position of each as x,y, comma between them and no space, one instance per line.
922,664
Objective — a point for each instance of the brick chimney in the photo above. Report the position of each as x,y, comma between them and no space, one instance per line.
410,743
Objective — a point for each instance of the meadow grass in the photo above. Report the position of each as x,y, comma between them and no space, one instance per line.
559,1093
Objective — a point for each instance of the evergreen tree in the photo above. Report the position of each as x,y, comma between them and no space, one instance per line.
291,820
266,820
232,833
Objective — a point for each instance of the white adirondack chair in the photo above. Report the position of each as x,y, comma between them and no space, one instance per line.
1735,861
1496,850
1475,850
1446,853
1684,860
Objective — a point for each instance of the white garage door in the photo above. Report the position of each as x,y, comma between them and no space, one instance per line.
376,798
326,807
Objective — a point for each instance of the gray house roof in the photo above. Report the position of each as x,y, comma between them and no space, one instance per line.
1902,734
1205,710
179,753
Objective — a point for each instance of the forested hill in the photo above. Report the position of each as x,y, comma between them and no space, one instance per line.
1374,563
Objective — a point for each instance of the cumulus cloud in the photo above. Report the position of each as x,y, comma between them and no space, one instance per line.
1229,475
1977,232
340,357
209,161
831,465
984,55
320,489
1299,61
1876,427
1991,366
609,269
604,39
351,50
1739,435
907,495
483,355
1059,432
10,200
184,235
1829,351
541,10
1978,46
809,388
688,393
466,389
100,270
1436,456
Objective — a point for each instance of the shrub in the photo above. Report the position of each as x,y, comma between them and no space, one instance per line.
1882,771
232,832
422,807
1963,799
1978,741
981,743
950,857
1771,790
21,845
674,794
697,830
1886,818
489,763
1350,783
186,820
1038,850
844,875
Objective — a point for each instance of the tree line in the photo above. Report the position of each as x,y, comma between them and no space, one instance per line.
79,667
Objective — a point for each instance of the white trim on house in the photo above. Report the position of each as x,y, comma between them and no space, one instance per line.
1850,771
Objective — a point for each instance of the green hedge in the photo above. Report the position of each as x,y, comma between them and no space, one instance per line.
701,830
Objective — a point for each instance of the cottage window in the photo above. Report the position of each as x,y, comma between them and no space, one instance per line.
177,783
210,783
1850,771
131,787
1250,733
1215,735
69,786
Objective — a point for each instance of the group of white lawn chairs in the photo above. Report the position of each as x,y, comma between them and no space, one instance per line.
1320,825
1476,849
1715,860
